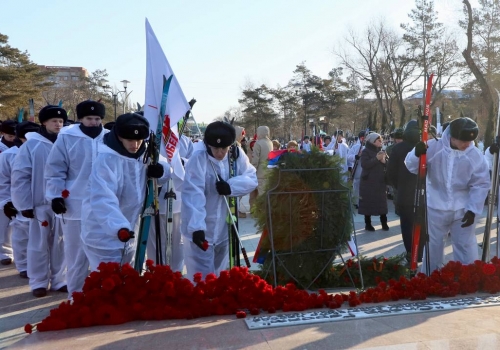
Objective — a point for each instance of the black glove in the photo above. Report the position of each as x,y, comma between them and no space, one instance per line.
468,219
28,213
155,170
494,148
58,205
199,239
223,188
9,210
420,148
357,157
124,235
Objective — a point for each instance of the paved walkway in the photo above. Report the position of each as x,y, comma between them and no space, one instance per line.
477,328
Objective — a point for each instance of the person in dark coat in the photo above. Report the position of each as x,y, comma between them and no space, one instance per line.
404,181
372,187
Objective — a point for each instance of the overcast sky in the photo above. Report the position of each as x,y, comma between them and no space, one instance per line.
213,46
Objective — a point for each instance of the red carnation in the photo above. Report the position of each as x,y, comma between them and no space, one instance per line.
108,284
28,328
271,310
197,277
254,311
45,223
489,269
65,193
241,314
205,245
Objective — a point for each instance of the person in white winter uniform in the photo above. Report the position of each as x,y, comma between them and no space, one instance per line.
340,148
353,162
45,245
8,130
67,173
8,141
176,259
116,190
18,223
457,186
204,212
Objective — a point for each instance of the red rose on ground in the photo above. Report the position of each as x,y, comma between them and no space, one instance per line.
241,314
65,193
28,328
45,223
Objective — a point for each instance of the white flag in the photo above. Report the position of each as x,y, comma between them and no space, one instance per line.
353,247
157,66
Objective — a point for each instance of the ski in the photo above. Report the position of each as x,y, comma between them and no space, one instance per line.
420,224
20,115
492,196
150,207
170,195
32,110
234,252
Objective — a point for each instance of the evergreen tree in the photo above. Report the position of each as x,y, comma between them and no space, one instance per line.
20,79
433,49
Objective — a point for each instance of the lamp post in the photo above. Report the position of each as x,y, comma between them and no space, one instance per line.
305,97
115,94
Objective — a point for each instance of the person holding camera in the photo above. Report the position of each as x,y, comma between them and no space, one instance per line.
372,188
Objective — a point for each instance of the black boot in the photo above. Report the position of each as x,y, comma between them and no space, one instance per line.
368,223
383,221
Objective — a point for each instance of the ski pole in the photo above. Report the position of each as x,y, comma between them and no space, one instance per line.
492,196
243,250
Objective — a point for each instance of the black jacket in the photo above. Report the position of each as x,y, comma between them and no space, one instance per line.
397,173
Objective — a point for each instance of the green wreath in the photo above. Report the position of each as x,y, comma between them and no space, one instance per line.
311,218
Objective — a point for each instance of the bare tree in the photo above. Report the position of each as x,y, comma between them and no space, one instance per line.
486,93
366,63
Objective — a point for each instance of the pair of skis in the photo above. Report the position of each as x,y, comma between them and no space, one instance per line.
151,204
420,223
170,196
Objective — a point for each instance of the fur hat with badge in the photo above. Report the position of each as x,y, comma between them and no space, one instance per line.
132,126
464,129
51,111
8,127
90,107
219,134
25,127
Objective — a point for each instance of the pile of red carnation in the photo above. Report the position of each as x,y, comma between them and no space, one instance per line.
116,295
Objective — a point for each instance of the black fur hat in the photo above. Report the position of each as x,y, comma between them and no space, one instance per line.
219,134
90,107
109,125
25,127
51,111
8,127
132,126
464,129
